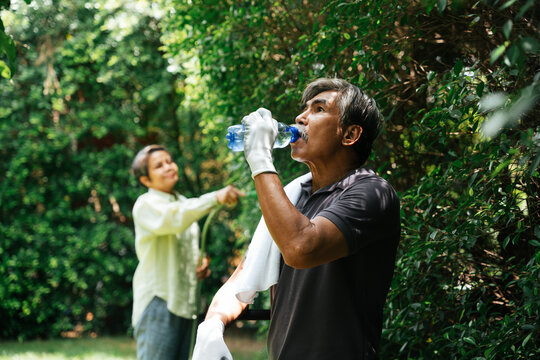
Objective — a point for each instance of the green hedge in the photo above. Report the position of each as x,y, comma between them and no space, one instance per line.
89,92
456,82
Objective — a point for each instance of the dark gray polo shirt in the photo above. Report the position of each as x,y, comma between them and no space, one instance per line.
334,311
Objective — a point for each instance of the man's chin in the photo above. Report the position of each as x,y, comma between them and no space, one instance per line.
295,156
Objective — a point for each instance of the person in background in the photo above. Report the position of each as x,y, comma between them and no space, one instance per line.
338,241
167,247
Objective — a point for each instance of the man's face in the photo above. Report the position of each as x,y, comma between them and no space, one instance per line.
320,118
162,172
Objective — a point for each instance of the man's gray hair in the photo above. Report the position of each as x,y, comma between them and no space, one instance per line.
355,107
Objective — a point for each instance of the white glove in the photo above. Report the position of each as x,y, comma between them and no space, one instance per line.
209,344
260,134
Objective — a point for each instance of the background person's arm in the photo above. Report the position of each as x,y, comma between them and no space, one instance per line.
160,217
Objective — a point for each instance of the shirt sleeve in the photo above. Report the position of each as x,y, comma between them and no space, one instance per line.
160,217
366,213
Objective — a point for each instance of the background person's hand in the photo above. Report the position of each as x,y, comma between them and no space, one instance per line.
203,270
229,195
260,134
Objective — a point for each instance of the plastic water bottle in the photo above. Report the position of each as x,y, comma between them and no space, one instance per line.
286,134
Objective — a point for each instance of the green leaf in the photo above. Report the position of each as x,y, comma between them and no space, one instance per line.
472,179
458,67
507,28
500,167
5,71
456,114
475,21
497,52
488,351
403,347
441,5
513,56
469,340
526,340
7,46
535,163
480,88
524,8
529,45
507,4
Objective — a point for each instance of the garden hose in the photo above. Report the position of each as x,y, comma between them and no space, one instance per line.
199,282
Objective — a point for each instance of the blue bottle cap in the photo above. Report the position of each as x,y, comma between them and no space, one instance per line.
295,133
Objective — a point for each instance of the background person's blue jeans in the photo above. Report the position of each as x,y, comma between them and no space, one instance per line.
161,335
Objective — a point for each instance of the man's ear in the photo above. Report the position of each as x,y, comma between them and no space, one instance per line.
351,135
145,180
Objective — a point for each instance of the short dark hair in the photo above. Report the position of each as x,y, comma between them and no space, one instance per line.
139,166
355,107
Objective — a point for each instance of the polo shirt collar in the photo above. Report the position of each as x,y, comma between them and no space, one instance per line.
352,176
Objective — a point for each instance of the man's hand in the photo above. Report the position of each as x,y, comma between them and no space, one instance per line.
229,195
261,133
210,344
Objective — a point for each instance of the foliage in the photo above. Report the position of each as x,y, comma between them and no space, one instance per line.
469,271
92,88
456,81
449,77
7,46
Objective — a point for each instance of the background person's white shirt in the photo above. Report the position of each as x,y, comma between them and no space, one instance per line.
167,247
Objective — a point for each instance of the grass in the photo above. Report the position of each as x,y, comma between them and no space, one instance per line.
114,348
242,346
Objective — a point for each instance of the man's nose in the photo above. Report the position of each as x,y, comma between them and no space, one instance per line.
301,119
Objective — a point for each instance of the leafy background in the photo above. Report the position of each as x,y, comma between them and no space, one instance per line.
87,84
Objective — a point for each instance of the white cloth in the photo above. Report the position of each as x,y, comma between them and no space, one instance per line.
167,247
210,344
261,267
260,271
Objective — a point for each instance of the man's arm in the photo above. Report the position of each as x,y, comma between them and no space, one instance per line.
224,309
303,242
225,306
